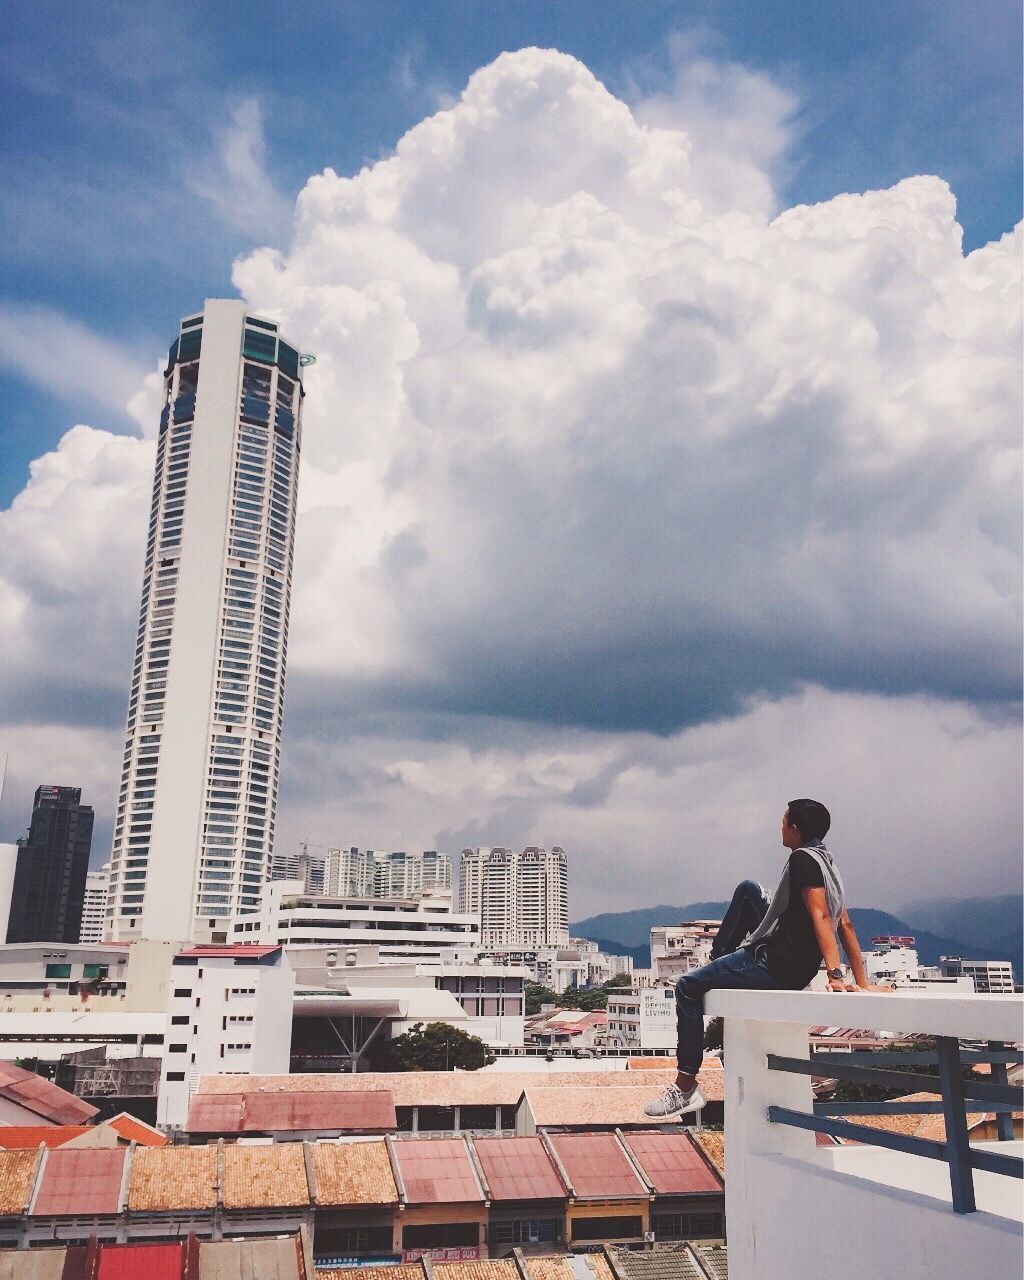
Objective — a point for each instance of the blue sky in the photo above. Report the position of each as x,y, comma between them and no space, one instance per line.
113,112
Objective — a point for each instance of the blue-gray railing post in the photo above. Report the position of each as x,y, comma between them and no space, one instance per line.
1004,1119
958,1147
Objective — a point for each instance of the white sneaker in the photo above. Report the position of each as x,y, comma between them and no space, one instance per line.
674,1102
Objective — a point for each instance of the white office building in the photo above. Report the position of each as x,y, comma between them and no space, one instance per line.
678,948
195,815
229,1012
642,1020
400,929
989,976
892,959
522,899
94,905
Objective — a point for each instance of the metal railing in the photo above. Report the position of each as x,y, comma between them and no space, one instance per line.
870,1068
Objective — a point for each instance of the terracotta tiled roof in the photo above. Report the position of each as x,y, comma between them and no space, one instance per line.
353,1173
17,1174
495,1269
549,1268
714,1147
437,1171
42,1097
79,1182
173,1178
33,1135
265,1176
131,1129
518,1169
597,1166
444,1088
672,1163
598,1263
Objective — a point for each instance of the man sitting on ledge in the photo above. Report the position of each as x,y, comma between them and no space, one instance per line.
775,945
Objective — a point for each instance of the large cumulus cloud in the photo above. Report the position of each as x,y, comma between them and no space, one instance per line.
590,444
628,500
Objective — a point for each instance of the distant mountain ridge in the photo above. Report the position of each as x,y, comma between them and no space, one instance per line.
628,932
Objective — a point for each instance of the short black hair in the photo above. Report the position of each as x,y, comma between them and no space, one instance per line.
810,818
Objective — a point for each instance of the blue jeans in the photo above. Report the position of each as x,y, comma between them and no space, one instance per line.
745,912
743,970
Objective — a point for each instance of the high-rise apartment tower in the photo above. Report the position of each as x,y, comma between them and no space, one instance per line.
49,876
522,898
195,817
94,905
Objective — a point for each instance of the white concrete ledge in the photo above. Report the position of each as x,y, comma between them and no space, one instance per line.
967,1017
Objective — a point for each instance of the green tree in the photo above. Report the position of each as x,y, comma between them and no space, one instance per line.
536,995
438,1046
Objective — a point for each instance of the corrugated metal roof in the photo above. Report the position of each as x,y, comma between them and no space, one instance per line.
356,1173
265,1177
15,1136
586,1109
215,1113
518,1169
42,1096
17,1174
135,1261
597,1166
437,1171
250,1260
297,1111
164,1179
79,1181
672,1164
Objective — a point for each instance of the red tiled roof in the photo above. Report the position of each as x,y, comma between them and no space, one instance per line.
437,1171
254,950
597,1166
131,1261
80,1181
518,1169
21,1136
131,1129
41,1096
672,1164
284,1112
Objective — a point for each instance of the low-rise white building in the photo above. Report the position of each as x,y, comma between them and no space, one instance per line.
678,948
642,1020
891,958
401,929
229,1012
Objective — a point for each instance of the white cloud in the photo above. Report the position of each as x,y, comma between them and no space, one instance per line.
65,358
597,448
235,179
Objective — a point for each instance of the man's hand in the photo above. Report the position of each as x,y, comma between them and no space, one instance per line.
840,984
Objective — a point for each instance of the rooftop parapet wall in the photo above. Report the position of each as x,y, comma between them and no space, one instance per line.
890,1212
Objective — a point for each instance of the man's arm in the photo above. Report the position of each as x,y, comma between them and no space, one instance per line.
817,908
851,946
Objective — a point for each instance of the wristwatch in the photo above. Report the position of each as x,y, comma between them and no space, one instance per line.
836,975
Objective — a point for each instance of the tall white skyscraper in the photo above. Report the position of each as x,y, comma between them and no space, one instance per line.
412,875
522,898
195,817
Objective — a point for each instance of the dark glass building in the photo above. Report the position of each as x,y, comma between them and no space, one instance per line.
49,878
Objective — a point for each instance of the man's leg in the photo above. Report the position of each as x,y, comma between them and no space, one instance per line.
744,913
738,971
